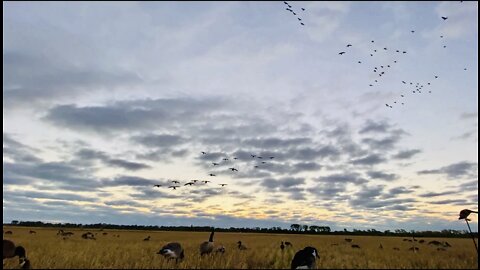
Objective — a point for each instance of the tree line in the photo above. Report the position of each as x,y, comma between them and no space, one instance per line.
294,229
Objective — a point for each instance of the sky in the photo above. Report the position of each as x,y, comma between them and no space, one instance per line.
101,101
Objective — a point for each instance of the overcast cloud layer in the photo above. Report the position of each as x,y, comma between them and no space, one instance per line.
102,101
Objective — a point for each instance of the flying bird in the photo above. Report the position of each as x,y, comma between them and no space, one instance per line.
175,182
222,185
233,169
303,9
302,23
359,62
211,175
271,157
206,181
444,18
214,164
341,53
188,184
441,36
157,185
404,52
204,153
253,156
436,77
413,31
225,159
349,45
174,187
299,19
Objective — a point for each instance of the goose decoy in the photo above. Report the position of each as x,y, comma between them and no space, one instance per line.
207,247
10,250
340,53
465,213
444,18
305,258
172,250
241,246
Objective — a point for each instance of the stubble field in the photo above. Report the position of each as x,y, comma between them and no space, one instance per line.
128,251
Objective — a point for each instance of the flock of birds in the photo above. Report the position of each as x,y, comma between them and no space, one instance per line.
289,8
379,71
224,161
303,259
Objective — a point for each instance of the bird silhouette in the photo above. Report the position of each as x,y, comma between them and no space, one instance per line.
302,23
212,174
299,19
413,31
404,82
444,18
436,77
404,52
188,184
271,157
373,41
253,156
441,36
174,187
175,182
157,185
303,9
402,95
465,213
222,185
206,181
444,46
225,159
341,53
204,153
215,164
359,62
349,45
233,169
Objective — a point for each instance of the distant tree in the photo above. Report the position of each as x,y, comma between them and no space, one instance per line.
305,228
295,227
14,222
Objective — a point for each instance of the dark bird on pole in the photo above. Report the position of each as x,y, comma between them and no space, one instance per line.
465,213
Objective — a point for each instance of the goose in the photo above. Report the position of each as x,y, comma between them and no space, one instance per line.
211,175
444,18
207,247
157,185
233,169
349,45
173,251
204,153
241,246
215,164
206,181
465,213
173,187
188,184
222,185
175,182
341,53
11,251
305,258
282,246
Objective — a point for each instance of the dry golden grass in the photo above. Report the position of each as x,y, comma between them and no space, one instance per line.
129,251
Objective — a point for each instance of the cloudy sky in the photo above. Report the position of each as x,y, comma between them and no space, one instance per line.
103,100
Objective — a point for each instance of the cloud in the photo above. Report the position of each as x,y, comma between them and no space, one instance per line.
346,177
382,176
89,154
436,194
406,154
457,170
452,202
369,160
375,127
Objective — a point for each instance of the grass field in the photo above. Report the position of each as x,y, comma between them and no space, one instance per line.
47,250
